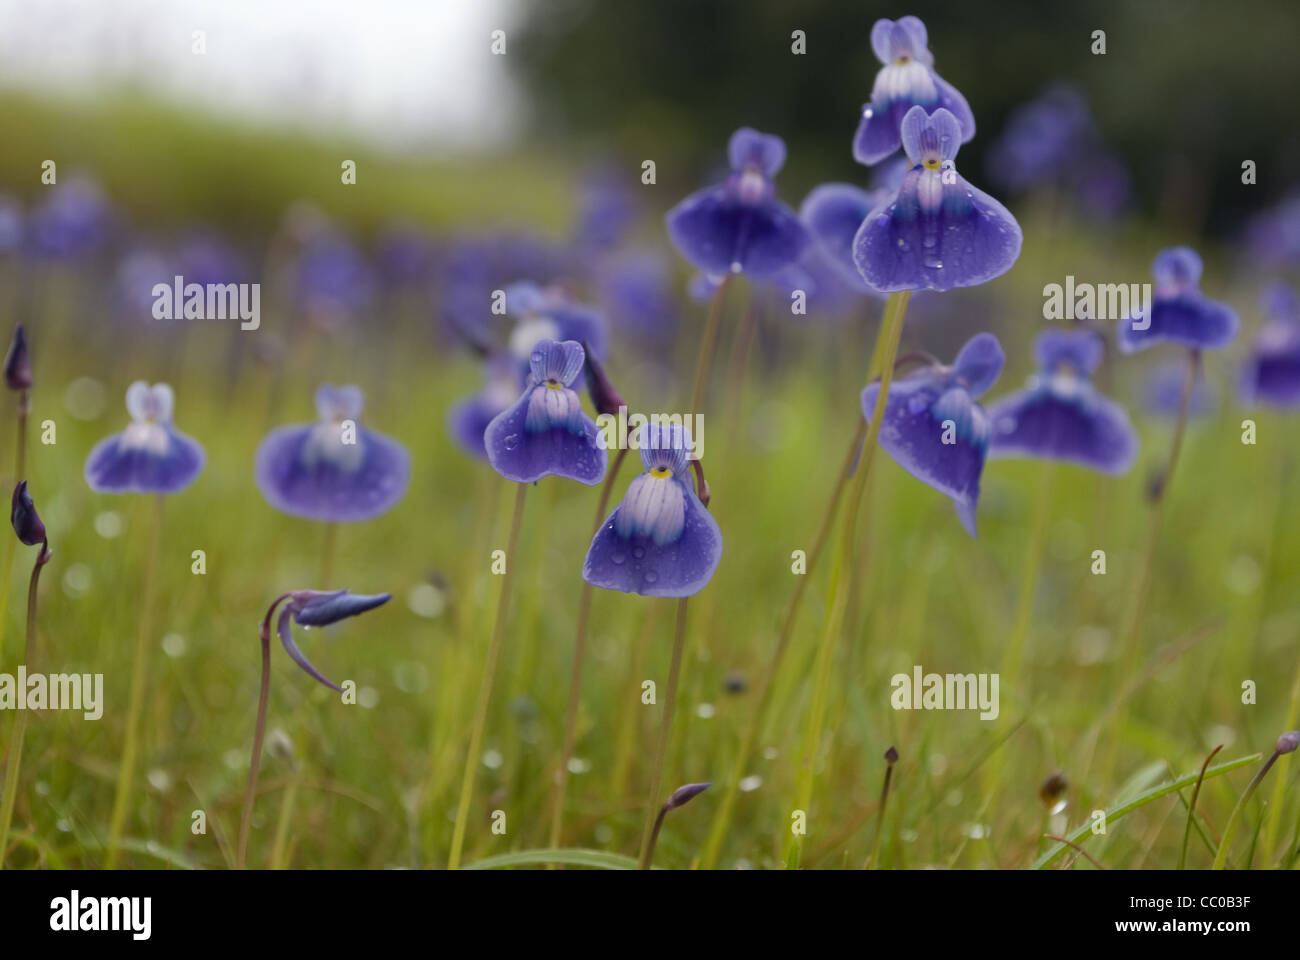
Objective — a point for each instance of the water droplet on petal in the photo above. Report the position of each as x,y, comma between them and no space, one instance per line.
638,552
511,442
618,558
651,576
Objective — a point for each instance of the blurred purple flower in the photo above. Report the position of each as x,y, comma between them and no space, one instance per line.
404,255
150,455
11,225
1060,415
1162,391
502,384
739,226
1180,313
1271,372
333,470
74,220
549,313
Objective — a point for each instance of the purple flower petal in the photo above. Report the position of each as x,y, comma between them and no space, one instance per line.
634,562
317,608
834,212
306,470
1189,318
1077,350
930,407
153,458
765,152
291,648
1064,418
720,233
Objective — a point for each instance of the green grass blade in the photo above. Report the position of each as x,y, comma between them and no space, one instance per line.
1153,794
575,857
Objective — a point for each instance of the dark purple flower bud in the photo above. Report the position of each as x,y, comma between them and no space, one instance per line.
27,524
318,608
684,795
891,756
604,397
1285,743
18,365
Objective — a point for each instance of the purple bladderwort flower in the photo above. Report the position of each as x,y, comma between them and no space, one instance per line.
1180,313
934,429
635,289
24,519
545,432
1060,415
549,313
1273,236
150,455
334,470
906,80
11,225
1052,142
404,255
1271,373
318,608
938,232
1162,391
134,279
739,226
835,212
333,280
75,220
469,419
18,362
660,541
205,258
607,209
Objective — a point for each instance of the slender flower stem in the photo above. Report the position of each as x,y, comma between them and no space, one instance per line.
327,555
11,543
665,729
282,824
579,654
874,860
485,689
14,761
1158,494
710,337
259,734
1016,646
1221,857
763,689
130,747
836,600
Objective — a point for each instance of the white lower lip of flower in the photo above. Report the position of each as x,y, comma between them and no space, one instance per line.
654,507
899,81
146,435
528,333
326,445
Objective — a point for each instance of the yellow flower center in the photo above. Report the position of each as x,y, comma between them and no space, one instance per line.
554,385
661,472
932,164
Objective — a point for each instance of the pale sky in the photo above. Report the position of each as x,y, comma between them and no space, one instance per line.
405,74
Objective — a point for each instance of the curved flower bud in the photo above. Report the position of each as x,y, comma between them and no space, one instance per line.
660,541
1060,415
545,432
938,232
335,470
906,80
739,226
318,608
18,365
22,515
150,455
934,429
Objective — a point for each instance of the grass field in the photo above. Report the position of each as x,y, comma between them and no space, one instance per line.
374,784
